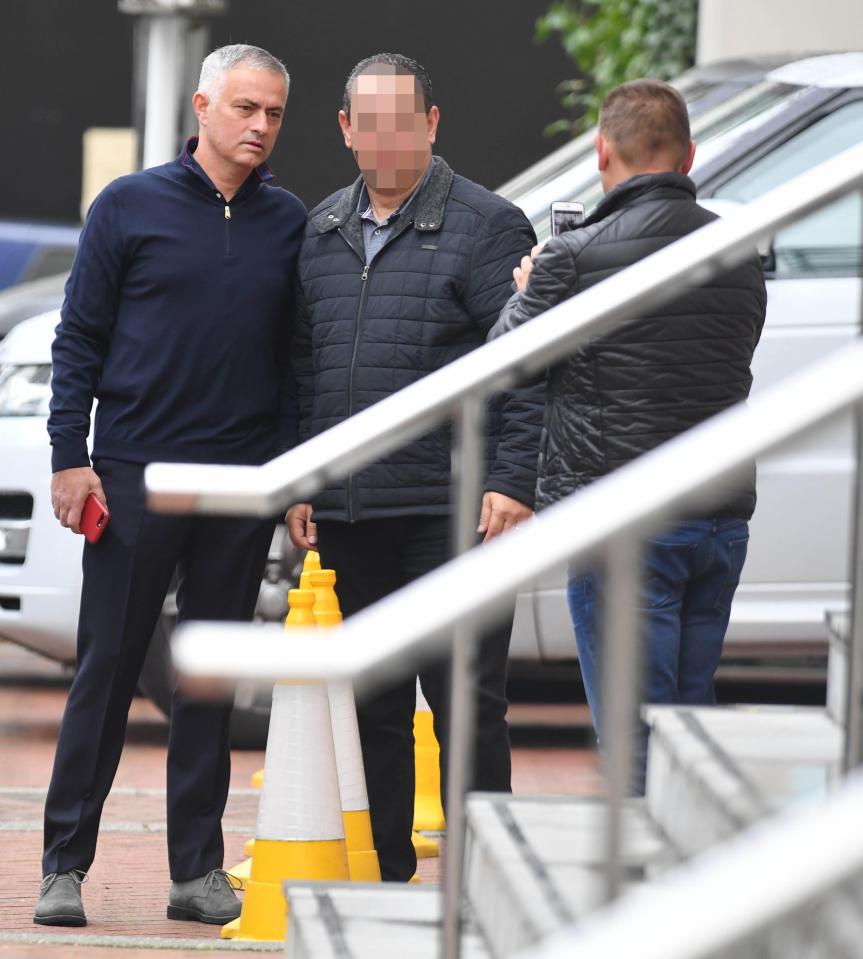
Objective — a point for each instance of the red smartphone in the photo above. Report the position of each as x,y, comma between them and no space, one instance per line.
94,519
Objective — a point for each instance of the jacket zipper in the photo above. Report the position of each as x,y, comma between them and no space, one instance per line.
227,223
364,278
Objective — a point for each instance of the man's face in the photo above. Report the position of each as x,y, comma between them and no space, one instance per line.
388,130
241,123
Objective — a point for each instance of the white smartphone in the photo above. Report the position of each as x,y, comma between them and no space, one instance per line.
565,216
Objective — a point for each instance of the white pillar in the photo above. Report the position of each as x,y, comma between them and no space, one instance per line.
165,51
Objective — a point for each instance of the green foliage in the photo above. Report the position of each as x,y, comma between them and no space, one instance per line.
612,41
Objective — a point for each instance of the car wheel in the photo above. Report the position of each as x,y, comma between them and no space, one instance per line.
249,722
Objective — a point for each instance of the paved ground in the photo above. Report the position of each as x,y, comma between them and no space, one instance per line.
126,890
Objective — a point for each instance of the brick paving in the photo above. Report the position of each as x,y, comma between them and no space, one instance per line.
126,892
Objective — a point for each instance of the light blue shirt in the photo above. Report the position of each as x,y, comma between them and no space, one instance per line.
375,234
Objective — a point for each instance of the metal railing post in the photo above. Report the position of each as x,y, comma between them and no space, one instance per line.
853,752
619,660
468,458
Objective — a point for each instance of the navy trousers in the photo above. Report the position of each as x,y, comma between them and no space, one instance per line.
219,563
690,574
373,558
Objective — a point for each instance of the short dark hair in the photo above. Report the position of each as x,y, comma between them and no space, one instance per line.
397,64
645,119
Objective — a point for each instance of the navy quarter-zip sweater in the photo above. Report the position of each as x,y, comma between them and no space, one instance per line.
177,319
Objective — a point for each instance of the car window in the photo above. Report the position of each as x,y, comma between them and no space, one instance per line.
829,242
713,132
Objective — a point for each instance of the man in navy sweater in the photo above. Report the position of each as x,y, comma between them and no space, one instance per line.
177,319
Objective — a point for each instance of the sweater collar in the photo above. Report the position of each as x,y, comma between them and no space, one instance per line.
427,204
187,159
645,186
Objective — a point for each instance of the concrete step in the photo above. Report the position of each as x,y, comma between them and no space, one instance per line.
369,921
713,772
839,625
535,864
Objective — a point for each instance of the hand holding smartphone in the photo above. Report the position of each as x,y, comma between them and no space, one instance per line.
94,519
565,216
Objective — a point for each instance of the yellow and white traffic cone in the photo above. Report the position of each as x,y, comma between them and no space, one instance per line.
311,563
362,857
428,811
300,834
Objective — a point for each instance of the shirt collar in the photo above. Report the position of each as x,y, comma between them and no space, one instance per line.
187,159
364,203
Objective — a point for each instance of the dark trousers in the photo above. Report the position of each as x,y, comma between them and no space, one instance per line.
219,562
373,558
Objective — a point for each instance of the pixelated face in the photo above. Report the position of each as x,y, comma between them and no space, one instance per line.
242,121
388,130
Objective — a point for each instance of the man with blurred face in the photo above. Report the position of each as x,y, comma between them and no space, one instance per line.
176,318
402,273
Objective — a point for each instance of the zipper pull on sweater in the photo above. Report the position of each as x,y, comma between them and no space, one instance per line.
227,212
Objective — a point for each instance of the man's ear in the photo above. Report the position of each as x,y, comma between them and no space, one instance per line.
690,158
432,120
602,151
201,106
345,124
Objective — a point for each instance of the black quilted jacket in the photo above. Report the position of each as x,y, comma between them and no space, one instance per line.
430,296
625,393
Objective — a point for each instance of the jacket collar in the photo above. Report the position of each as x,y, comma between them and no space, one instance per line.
426,209
642,187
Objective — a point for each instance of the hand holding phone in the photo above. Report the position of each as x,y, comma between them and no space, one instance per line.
94,518
565,216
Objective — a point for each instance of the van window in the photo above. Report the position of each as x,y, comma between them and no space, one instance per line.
826,243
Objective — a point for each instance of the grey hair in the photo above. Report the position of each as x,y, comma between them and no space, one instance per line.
220,61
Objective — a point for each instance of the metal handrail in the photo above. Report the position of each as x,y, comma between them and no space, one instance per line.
459,391
420,407
417,619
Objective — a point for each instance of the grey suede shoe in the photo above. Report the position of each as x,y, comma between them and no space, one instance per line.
60,900
208,899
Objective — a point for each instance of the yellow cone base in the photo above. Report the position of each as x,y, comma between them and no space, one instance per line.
428,811
264,914
257,779
428,814
249,848
424,847
277,860
264,917
363,864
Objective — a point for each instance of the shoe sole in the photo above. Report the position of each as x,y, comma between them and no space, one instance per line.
60,920
192,915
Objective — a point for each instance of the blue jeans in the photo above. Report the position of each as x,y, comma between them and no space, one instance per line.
689,575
